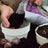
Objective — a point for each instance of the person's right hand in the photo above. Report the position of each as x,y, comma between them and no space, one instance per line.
6,11
37,2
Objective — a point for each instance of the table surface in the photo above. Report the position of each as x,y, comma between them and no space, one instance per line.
31,36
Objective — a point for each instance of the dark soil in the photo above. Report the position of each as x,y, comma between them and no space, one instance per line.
16,20
44,46
43,31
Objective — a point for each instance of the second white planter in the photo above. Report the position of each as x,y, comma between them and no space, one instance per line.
40,40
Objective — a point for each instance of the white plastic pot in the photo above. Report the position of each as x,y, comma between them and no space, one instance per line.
40,40
21,32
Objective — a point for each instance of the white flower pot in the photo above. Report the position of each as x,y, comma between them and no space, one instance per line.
40,40
21,32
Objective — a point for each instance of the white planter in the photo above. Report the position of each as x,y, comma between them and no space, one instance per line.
21,32
40,40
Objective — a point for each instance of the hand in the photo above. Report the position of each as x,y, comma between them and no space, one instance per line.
37,2
6,11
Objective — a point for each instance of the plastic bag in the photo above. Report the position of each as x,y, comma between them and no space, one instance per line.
35,15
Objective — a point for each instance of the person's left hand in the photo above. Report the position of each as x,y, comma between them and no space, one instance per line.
37,2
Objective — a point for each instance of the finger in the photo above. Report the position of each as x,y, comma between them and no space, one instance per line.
5,20
4,24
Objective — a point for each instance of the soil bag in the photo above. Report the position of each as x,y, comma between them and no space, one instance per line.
35,14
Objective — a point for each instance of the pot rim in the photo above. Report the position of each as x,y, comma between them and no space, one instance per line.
17,28
43,44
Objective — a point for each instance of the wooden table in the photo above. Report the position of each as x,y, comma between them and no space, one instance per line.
31,36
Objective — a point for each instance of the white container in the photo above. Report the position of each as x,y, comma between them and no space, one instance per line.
40,40
21,32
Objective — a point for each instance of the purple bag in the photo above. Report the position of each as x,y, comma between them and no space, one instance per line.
34,14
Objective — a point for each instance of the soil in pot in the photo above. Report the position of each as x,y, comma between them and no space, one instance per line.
44,46
43,31
16,20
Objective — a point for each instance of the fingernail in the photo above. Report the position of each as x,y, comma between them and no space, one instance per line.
8,25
